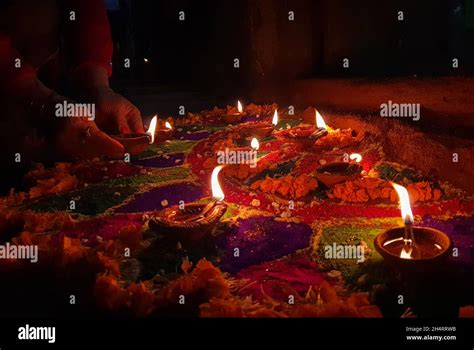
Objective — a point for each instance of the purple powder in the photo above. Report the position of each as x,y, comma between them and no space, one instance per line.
461,230
261,239
151,200
254,118
192,136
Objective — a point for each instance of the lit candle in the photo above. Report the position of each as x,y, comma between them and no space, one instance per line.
159,133
217,193
275,119
240,109
398,245
407,216
151,129
321,125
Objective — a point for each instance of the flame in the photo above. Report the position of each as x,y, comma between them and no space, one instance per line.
255,144
320,121
217,193
406,253
355,156
168,125
402,192
239,107
275,118
151,129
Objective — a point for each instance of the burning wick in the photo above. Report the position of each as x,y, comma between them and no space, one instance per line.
275,119
255,144
168,126
356,157
151,130
217,194
407,215
321,125
239,107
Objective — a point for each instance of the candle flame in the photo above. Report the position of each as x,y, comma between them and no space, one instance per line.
217,193
355,156
255,144
320,123
402,192
239,107
151,129
168,125
275,118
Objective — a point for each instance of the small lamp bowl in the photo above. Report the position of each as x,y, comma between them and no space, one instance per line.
425,239
337,172
232,118
161,135
133,143
260,130
187,225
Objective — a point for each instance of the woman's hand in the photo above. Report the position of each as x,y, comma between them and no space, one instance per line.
67,137
116,114
79,137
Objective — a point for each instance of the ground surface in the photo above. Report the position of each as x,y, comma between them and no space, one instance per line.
103,252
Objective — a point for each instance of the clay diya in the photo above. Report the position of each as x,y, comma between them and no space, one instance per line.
409,248
163,133
236,116
194,221
337,172
135,143
308,134
261,129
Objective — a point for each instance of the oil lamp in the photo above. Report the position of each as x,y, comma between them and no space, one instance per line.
322,128
337,172
260,129
411,247
236,116
308,134
193,221
163,133
135,143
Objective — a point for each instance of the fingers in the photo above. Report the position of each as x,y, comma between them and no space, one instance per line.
83,139
122,123
99,143
127,118
134,120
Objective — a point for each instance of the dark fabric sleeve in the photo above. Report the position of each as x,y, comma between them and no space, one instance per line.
87,39
9,72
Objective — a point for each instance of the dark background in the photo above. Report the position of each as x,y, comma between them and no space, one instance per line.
199,51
